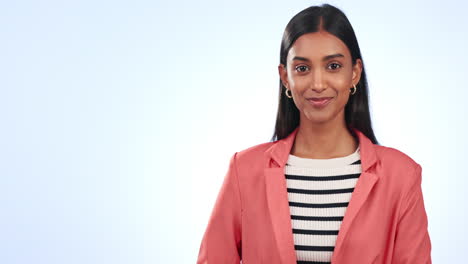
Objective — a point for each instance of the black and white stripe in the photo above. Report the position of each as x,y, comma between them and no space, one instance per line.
319,191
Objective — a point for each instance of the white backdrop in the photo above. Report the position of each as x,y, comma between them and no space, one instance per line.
118,118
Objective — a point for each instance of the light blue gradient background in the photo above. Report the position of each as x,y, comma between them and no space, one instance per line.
118,118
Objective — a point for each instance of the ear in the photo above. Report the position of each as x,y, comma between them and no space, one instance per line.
357,69
283,73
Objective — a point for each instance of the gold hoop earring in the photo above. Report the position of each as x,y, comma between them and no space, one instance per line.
286,92
353,92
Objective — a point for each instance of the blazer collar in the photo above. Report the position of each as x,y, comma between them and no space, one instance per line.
281,149
277,196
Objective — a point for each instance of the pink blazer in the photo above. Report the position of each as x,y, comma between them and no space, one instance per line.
385,221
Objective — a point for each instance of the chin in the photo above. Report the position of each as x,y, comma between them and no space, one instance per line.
318,119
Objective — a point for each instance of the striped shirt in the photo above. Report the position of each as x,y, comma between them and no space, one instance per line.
319,191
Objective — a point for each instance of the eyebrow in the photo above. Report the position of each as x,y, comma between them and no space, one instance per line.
324,58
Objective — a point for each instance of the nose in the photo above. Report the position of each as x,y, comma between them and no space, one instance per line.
318,83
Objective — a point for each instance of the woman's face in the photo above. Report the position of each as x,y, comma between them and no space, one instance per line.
319,65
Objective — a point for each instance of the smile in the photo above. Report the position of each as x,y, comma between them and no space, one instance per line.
319,102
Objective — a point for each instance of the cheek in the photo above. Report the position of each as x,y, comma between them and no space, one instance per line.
296,80
342,86
341,83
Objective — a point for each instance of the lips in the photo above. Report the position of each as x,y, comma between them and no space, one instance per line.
319,99
319,102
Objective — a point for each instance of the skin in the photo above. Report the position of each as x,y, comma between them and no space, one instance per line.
322,132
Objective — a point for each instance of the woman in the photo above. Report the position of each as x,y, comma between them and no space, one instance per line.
325,191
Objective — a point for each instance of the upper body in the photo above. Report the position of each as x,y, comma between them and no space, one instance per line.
323,113
385,221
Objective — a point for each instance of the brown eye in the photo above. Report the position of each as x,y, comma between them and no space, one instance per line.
301,68
335,66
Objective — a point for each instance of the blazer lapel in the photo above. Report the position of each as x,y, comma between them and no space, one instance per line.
277,195
278,206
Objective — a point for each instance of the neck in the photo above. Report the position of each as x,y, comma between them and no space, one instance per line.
323,141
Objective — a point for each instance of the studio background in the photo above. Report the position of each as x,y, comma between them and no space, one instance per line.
118,118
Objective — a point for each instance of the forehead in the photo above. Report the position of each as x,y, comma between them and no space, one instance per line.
317,45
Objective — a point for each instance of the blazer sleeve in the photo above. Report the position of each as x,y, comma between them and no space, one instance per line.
221,242
412,241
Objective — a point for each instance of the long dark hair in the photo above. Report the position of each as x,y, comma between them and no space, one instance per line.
335,22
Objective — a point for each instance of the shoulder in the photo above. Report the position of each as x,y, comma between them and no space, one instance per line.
253,155
394,157
399,167
254,151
